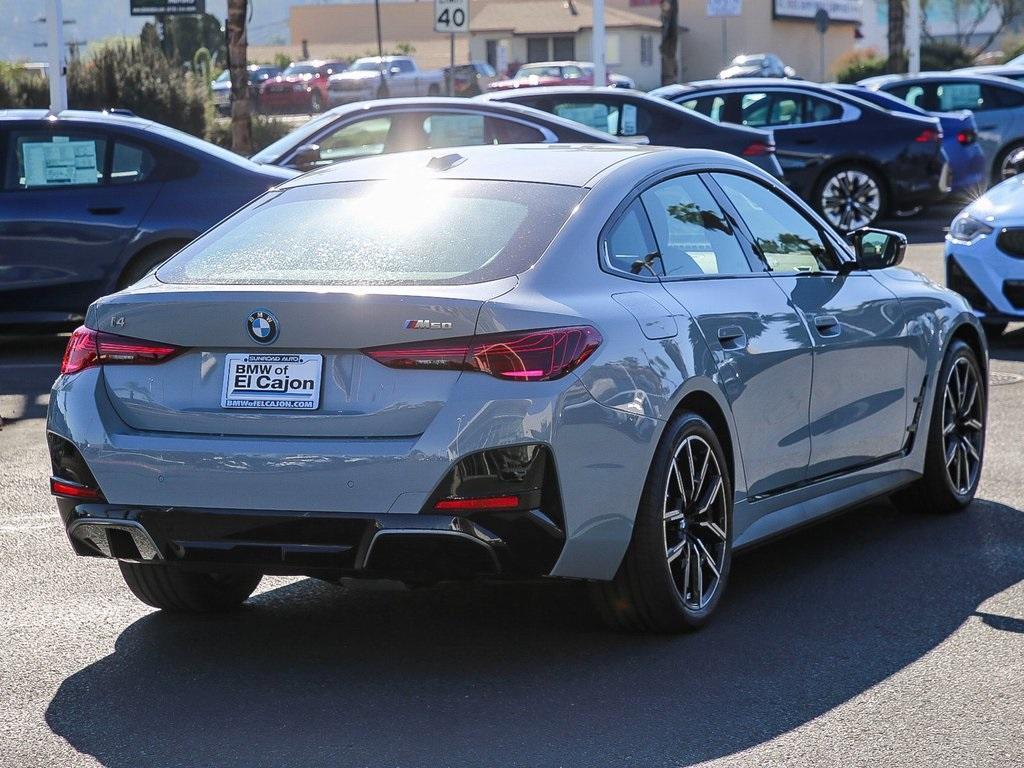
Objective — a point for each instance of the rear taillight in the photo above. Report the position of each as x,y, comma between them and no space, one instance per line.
928,135
966,137
88,348
70,490
539,355
758,149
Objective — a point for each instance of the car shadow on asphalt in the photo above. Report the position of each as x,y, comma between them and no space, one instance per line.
488,675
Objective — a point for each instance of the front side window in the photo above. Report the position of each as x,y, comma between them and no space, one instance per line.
709,106
788,240
357,139
46,160
593,114
693,234
411,231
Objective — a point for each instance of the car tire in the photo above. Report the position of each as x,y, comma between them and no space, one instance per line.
316,102
141,264
999,170
944,488
850,196
675,545
171,589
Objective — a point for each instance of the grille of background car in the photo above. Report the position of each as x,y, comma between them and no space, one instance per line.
1011,241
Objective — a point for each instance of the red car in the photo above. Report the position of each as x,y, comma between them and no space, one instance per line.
302,87
542,73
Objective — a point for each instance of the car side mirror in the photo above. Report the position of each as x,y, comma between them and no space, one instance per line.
306,156
878,248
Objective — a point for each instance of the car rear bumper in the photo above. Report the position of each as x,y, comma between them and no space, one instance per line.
377,480
412,547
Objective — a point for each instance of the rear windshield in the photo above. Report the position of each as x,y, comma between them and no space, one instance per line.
413,231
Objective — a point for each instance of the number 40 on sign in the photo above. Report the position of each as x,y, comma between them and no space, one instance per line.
451,15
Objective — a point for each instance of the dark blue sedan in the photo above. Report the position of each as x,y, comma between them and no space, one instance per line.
92,201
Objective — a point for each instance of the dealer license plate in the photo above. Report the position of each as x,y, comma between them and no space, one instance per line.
272,381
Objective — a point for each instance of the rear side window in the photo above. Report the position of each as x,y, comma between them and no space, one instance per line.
413,231
629,246
953,96
130,164
46,159
709,106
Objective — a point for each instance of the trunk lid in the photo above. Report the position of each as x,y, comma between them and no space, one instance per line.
358,397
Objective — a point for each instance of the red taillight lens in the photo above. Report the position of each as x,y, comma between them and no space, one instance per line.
485,502
539,355
88,348
72,490
758,149
927,136
966,137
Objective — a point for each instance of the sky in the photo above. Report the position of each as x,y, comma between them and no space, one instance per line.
98,19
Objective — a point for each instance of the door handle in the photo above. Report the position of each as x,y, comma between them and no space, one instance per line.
827,325
732,337
105,210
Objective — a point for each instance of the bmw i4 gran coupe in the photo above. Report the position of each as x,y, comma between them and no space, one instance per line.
605,363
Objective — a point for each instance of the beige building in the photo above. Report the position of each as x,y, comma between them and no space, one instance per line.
510,32
760,28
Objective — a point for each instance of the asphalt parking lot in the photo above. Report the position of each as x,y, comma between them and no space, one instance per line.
875,638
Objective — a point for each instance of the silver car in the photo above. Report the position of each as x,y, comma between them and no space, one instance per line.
605,363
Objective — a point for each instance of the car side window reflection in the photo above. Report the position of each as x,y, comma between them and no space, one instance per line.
693,234
788,240
629,247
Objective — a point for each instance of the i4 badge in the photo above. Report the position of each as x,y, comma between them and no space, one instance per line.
262,326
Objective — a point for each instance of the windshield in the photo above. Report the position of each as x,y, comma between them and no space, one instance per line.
223,76
300,69
413,231
366,65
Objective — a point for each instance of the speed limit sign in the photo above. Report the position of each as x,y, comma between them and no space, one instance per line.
451,15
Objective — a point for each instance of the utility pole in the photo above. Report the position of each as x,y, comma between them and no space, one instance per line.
241,114
597,44
58,72
383,91
914,36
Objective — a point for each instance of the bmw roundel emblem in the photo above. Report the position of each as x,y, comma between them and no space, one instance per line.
262,326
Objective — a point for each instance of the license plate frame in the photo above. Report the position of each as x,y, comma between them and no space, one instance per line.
272,381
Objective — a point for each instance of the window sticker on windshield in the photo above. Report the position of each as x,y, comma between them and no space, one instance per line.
59,163
628,120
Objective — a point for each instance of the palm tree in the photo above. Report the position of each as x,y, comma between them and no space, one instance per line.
669,41
241,115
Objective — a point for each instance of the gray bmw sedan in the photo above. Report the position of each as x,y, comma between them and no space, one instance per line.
604,363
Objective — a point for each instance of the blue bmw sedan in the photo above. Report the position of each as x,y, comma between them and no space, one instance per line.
92,201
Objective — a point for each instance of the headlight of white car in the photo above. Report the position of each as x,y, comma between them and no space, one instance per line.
968,229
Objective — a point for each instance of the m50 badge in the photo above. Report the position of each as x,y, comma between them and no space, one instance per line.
427,325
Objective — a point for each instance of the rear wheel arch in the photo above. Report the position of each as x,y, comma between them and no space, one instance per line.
707,407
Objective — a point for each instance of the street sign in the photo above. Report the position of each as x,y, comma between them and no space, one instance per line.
167,7
451,16
821,20
725,8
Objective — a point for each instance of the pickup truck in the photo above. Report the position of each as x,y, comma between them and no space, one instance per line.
374,78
